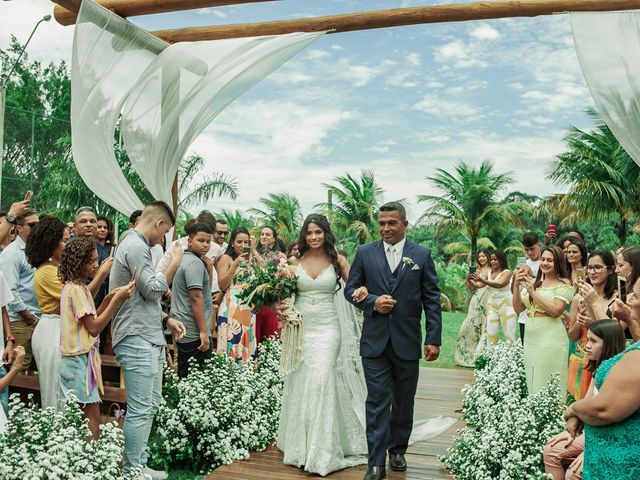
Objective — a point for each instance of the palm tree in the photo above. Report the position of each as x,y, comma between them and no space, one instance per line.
282,211
352,206
602,178
235,219
192,192
470,201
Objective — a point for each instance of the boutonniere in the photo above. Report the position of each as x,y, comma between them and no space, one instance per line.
407,261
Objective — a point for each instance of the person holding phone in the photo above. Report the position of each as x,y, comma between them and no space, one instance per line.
531,265
499,308
546,346
236,324
628,269
595,297
471,328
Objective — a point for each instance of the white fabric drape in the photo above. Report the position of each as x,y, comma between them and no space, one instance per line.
167,95
608,48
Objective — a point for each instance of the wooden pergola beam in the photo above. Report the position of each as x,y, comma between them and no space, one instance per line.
66,11
456,12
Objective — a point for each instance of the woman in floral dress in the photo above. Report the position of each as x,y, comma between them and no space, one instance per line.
471,327
236,324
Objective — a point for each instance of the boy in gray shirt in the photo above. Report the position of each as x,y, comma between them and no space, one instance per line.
191,298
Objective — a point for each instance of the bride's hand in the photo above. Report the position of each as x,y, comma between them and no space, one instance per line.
360,294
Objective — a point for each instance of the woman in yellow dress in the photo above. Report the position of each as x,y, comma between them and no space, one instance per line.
546,345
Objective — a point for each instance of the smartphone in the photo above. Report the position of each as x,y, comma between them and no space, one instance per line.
246,251
551,228
622,289
522,261
472,270
580,274
28,195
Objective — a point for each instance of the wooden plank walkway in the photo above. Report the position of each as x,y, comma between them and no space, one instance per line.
438,394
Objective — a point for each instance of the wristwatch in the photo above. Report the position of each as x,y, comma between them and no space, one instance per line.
10,218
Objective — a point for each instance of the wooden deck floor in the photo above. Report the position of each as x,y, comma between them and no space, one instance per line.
438,394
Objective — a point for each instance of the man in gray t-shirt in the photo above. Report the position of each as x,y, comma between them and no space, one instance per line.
191,298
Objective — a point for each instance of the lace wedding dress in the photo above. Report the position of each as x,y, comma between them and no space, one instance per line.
322,421
319,428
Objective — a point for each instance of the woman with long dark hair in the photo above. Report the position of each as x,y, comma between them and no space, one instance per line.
546,346
471,328
236,324
628,267
594,300
319,427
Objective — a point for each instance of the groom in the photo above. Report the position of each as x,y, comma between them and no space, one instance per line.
401,279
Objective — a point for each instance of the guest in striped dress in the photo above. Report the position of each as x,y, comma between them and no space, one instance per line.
80,327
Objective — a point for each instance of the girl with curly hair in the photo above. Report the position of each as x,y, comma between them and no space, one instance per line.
81,325
43,251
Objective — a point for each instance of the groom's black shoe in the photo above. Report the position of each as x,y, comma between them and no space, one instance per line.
397,462
375,473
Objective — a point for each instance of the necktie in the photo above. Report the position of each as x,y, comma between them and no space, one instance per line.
393,258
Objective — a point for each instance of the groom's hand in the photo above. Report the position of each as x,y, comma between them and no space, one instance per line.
431,352
384,304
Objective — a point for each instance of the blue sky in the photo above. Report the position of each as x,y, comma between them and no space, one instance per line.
401,102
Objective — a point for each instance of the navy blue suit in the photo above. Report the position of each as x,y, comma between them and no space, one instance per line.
391,345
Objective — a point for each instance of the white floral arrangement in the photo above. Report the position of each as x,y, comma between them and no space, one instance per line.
506,429
219,412
50,445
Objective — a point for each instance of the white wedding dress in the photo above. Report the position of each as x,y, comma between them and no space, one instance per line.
322,421
319,428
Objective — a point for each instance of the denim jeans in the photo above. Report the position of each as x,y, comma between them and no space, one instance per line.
4,394
188,350
141,364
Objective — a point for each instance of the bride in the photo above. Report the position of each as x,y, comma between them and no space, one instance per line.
322,421
320,427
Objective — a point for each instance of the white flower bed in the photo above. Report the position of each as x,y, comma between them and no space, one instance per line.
219,413
49,445
506,429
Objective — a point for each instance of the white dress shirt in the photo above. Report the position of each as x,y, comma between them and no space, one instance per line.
394,253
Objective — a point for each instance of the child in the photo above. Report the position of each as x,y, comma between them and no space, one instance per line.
80,328
562,454
191,298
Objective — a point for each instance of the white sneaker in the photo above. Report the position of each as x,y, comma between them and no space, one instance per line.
154,474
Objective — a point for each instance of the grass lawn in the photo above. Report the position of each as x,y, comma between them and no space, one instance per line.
451,322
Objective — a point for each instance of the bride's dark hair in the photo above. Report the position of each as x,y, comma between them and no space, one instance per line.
329,245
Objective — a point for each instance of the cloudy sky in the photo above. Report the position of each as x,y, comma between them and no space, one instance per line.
401,102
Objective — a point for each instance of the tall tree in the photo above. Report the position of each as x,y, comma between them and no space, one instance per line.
470,201
601,176
281,211
235,219
352,206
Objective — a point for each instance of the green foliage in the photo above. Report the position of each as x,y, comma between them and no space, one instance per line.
469,201
452,284
352,208
265,285
282,211
601,176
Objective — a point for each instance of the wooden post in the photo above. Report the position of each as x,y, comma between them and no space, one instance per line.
455,12
67,10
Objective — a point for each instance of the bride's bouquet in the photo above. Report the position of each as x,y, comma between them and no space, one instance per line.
260,286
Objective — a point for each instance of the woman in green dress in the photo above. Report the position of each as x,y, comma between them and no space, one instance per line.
472,326
546,345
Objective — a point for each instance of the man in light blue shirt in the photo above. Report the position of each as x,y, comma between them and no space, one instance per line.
24,310
137,332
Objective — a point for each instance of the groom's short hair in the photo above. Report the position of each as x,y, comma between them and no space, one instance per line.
394,207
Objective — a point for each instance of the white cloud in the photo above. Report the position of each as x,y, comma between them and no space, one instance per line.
458,54
413,59
485,32
211,11
316,54
438,106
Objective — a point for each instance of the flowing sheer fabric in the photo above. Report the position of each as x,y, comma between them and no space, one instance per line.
607,45
165,96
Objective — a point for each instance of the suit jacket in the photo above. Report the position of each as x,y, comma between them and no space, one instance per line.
414,284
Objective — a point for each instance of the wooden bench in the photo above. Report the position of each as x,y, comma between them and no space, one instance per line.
26,384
